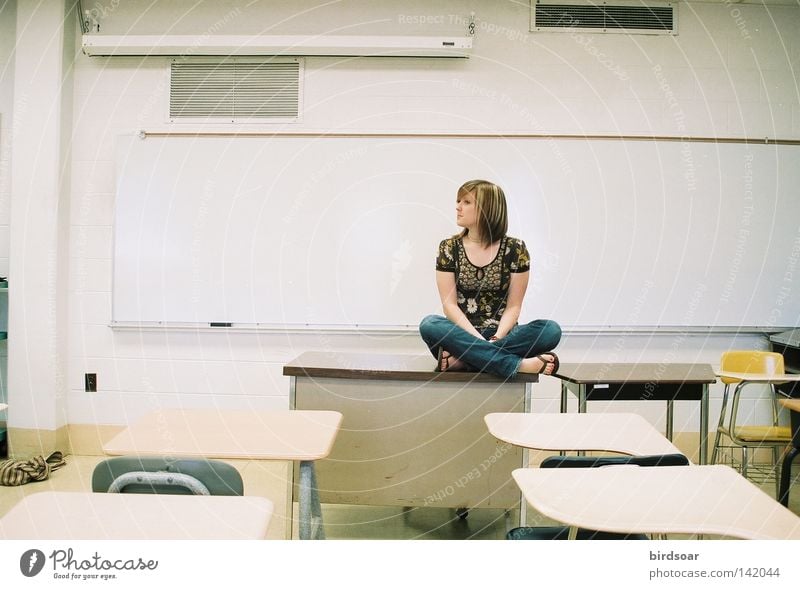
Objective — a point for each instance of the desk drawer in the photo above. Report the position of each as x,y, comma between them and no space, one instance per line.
649,391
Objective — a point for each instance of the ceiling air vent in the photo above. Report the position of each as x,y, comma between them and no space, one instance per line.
656,18
235,90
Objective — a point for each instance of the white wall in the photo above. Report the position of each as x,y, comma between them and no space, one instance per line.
718,77
7,35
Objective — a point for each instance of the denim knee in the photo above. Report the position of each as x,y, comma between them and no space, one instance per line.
430,328
427,324
551,333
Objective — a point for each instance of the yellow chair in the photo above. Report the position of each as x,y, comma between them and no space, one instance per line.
760,367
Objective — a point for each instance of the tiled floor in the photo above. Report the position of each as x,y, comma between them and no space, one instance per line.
268,479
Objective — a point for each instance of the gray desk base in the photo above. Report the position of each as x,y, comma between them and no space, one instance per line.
414,444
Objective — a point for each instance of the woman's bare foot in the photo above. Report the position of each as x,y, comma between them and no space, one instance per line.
546,364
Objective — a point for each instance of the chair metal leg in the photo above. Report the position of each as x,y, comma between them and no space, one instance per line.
774,404
670,415
720,424
786,475
744,461
310,509
573,533
715,448
703,453
775,470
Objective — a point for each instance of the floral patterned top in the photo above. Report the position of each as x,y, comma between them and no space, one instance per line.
481,293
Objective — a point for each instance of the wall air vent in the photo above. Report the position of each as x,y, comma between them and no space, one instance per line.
235,90
656,18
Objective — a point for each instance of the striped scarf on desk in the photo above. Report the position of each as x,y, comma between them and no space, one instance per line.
18,472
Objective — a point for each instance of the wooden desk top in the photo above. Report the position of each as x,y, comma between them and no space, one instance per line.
626,433
216,433
52,515
659,500
636,373
402,367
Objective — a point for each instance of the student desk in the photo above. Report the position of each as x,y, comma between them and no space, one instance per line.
626,433
51,515
658,500
411,436
786,465
641,382
302,436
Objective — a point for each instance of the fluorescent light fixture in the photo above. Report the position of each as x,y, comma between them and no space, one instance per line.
317,45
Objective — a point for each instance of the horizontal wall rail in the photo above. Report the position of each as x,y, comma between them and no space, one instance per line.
546,136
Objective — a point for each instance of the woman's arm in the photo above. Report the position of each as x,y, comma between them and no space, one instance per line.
446,283
516,293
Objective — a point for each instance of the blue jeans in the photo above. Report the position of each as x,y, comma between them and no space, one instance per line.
502,357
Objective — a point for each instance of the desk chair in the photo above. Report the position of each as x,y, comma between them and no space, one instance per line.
3,435
181,476
562,532
759,365
793,405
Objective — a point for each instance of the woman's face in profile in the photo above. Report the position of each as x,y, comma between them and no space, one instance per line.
466,210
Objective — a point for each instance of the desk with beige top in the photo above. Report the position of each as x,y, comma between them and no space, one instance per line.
299,436
623,433
411,436
658,500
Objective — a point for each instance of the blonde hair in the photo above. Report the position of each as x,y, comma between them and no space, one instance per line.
490,201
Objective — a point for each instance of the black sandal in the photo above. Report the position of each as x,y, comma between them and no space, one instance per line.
443,362
547,363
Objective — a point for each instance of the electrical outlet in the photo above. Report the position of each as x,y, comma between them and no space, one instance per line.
90,382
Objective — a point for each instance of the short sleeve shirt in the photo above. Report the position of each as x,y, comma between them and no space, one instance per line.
482,292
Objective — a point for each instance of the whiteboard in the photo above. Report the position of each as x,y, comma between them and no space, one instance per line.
294,230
